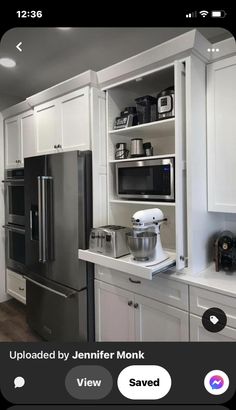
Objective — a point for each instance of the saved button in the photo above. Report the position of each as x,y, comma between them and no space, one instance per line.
144,382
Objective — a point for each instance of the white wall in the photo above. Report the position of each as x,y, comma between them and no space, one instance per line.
3,295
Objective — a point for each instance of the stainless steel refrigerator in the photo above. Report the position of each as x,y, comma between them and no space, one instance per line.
58,206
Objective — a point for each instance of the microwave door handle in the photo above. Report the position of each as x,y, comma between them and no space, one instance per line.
40,218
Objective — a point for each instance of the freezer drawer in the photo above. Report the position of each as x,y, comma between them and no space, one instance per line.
55,312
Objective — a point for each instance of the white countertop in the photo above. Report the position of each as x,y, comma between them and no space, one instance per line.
220,282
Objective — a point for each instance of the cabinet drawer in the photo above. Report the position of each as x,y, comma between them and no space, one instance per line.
16,286
199,334
201,300
164,290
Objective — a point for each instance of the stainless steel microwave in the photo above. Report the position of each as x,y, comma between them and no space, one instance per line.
148,179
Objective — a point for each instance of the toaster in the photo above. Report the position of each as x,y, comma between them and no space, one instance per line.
109,240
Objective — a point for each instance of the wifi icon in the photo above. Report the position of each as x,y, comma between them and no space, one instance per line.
204,13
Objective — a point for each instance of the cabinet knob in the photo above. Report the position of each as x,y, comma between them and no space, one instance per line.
21,288
54,146
59,146
136,305
130,303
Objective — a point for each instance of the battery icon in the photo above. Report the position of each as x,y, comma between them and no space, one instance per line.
218,13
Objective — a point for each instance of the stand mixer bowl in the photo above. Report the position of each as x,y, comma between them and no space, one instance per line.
142,245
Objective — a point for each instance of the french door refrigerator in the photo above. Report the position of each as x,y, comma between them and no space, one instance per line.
58,206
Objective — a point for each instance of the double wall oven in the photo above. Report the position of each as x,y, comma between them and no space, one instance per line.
15,219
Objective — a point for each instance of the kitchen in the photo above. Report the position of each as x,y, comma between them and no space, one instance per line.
115,196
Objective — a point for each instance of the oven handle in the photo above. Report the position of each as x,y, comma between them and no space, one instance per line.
50,289
14,229
9,181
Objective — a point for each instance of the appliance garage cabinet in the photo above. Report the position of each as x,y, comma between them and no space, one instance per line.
182,138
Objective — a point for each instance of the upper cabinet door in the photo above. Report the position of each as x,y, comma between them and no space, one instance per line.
28,134
75,120
13,148
221,135
47,123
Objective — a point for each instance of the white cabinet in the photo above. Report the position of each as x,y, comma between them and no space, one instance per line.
199,334
114,313
16,286
221,106
159,322
202,300
75,120
13,143
19,139
64,123
122,315
28,134
47,123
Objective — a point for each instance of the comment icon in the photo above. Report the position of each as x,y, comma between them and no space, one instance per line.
19,382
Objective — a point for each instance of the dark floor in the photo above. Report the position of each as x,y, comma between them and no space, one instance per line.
13,325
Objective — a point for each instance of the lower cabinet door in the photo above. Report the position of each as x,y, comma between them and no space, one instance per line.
114,313
199,334
155,321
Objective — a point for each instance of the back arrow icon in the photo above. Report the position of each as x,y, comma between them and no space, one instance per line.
18,46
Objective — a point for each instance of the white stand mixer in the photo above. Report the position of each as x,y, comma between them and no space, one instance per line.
150,220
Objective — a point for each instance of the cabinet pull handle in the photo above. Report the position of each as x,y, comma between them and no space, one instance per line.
55,146
130,303
135,281
21,288
59,146
136,306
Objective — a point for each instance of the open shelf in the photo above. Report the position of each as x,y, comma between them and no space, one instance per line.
113,161
130,202
160,128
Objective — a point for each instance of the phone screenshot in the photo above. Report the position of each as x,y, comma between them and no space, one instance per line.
117,211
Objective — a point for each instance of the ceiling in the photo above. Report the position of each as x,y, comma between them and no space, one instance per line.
52,55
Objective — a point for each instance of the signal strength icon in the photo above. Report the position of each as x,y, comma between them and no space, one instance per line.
191,15
204,13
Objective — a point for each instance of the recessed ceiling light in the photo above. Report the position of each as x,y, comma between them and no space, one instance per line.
7,62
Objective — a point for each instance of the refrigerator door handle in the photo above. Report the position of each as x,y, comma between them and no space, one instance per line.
46,217
40,219
31,224
63,295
